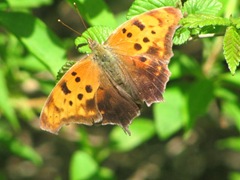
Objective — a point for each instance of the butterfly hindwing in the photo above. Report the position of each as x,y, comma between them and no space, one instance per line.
116,106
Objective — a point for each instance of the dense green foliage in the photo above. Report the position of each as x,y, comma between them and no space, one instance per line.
204,89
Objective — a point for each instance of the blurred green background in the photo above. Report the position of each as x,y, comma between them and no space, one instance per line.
193,134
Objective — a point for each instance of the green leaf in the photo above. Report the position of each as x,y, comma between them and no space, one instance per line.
30,63
82,166
141,6
211,7
97,33
170,114
95,12
232,143
38,39
181,36
231,48
28,4
201,20
25,151
199,97
64,69
5,105
141,130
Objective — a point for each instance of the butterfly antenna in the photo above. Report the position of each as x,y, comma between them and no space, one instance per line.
79,14
67,26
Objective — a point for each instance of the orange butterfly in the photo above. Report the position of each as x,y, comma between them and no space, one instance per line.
109,85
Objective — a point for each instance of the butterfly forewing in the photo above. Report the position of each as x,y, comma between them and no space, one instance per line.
73,100
144,47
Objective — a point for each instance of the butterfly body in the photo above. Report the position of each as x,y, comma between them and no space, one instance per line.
113,69
109,85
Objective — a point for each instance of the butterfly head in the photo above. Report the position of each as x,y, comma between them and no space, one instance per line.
92,44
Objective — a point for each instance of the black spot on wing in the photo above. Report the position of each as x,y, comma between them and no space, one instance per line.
88,88
124,30
129,35
153,32
145,39
80,96
77,79
64,88
137,46
139,24
74,73
143,59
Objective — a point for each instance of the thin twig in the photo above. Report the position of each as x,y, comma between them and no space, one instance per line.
200,36
211,59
